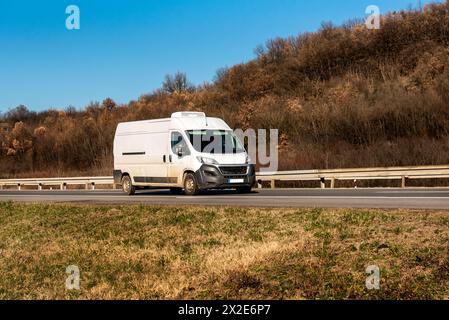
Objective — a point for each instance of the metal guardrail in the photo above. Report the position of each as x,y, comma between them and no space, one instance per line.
323,176
62,183
333,175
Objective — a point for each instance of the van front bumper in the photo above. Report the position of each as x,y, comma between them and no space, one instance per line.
225,177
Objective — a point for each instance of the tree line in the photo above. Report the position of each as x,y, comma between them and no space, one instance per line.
343,96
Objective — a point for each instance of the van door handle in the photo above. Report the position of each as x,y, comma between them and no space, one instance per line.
169,157
164,158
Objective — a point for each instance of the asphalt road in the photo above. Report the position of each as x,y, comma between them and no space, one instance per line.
297,198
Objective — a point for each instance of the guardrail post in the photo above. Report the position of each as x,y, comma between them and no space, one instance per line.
403,182
19,187
259,184
114,186
1,187
93,185
323,183
333,183
273,184
39,186
87,186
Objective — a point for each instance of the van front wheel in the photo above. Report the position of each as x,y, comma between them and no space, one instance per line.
190,185
127,185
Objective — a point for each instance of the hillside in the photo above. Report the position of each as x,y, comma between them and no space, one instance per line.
341,97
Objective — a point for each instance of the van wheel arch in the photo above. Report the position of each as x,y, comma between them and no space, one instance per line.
185,173
125,174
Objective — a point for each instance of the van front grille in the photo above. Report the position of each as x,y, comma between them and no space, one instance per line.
233,170
236,177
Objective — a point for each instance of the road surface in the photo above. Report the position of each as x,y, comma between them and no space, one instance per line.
288,198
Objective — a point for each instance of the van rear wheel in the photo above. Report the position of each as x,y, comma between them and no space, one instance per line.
190,185
127,185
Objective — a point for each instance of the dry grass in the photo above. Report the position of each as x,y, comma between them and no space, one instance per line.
147,252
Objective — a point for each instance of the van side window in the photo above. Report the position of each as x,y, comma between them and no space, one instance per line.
177,141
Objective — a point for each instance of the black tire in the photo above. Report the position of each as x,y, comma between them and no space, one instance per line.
190,185
176,191
243,190
127,186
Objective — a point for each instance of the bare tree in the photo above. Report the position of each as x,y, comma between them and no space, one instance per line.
220,74
19,113
177,83
109,104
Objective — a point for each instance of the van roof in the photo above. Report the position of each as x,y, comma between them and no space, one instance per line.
178,121
188,114
199,123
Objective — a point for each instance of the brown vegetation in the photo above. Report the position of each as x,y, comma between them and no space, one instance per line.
341,97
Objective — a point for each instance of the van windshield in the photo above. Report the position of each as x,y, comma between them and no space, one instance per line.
215,141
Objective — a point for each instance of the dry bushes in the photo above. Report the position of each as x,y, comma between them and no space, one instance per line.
342,96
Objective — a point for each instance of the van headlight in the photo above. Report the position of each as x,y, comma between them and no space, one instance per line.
205,160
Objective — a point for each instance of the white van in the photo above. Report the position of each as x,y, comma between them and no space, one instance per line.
188,152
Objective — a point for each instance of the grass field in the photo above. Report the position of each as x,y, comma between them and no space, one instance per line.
147,252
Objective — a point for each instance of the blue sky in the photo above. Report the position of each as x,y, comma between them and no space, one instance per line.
125,48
